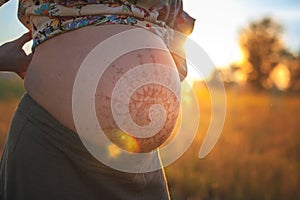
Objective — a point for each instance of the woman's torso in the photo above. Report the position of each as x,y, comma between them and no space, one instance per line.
52,72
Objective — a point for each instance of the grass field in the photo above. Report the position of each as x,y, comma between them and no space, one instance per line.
257,156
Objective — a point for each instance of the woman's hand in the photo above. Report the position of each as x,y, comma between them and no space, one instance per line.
13,58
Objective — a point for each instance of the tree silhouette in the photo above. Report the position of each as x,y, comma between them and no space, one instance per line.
261,43
292,61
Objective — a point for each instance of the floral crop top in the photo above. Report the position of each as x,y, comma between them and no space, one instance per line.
47,18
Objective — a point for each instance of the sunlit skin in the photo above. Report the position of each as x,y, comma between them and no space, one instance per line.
140,101
54,91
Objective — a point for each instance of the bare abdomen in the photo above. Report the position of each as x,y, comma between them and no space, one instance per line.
151,95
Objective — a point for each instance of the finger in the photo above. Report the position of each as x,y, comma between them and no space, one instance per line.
26,63
23,64
24,38
29,57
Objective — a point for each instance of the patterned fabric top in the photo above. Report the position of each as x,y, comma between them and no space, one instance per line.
47,18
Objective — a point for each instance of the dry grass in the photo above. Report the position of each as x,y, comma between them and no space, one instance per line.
257,156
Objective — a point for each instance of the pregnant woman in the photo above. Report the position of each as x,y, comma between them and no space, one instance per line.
44,157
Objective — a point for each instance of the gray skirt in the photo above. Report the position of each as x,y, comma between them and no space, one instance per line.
45,160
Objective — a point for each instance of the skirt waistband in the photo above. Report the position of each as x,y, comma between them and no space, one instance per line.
42,118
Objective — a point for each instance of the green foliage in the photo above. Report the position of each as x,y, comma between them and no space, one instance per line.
11,89
261,42
268,63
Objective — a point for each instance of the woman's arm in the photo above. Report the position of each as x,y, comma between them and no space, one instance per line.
12,56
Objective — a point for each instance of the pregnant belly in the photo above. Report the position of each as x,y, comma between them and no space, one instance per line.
137,95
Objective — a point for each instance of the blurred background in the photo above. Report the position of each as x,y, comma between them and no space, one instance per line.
255,46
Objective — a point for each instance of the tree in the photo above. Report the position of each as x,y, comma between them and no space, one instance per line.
292,61
261,43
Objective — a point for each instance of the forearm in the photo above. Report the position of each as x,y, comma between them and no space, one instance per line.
6,62
12,56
